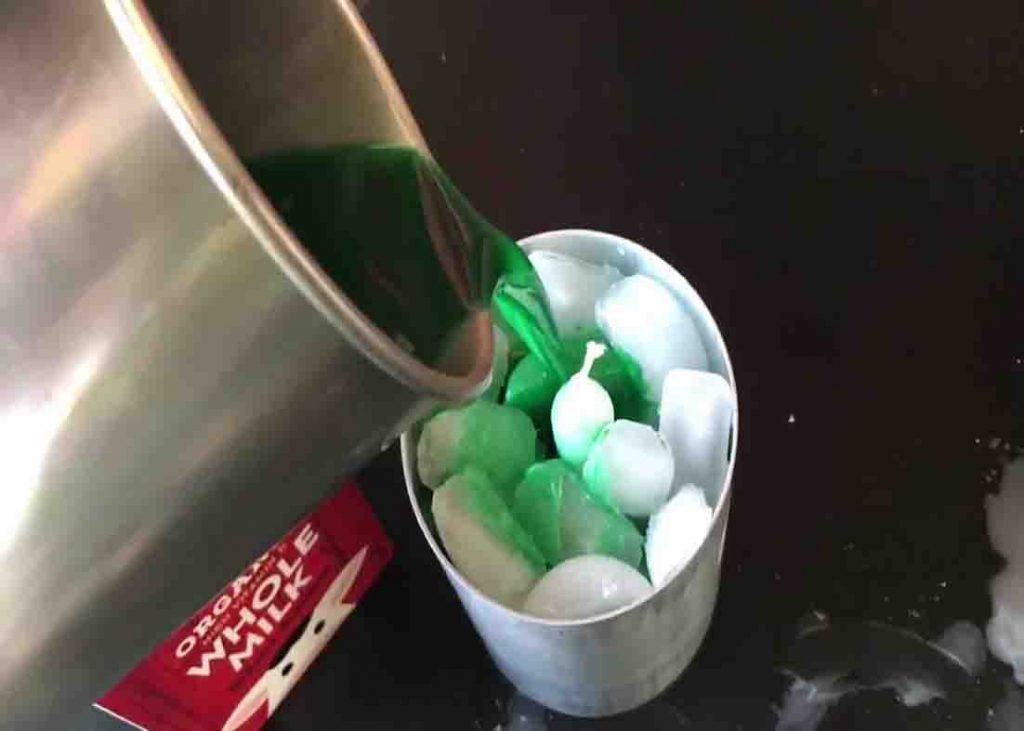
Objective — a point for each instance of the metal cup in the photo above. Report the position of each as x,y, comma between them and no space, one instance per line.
618,661
179,379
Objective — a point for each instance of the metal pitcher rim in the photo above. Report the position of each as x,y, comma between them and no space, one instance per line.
182,105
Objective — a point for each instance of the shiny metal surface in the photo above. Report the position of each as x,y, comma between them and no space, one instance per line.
179,382
619,661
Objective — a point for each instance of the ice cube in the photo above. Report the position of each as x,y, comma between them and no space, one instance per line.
1005,514
499,440
537,505
564,521
573,287
675,532
965,643
581,409
645,320
589,527
586,586
629,467
483,540
1005,630
695,417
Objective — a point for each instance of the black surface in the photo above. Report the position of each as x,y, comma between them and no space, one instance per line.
843,186
842,183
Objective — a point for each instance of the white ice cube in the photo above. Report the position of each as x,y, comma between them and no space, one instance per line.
1005,513
573,287
631,467
695,417
586,586
644,319
676,532
1005,630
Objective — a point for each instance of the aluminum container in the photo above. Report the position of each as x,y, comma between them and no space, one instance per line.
179,380
618,661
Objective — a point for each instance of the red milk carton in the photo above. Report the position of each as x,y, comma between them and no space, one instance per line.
230,665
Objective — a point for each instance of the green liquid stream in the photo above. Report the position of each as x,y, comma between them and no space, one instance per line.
399,239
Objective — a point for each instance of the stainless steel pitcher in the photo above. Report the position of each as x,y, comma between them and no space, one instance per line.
179,381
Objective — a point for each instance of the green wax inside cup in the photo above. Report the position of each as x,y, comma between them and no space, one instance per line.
537,505
483,540
505,275
589,527
532,388
485,504
553,506
498,440
402,242
519,302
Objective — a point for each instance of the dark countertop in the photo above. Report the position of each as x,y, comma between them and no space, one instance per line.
843,184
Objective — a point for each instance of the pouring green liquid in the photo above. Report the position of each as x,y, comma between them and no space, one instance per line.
389,227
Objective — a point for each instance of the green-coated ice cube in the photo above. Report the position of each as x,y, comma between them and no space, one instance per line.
483,539
629,467
552,504
498,440
537,505
531,386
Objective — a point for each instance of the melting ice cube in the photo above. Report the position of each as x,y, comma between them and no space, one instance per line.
555,509
572,287
695,417
1005,518
499,440
483,540
676,532
965,644
646,321
629,467
581,409
586,586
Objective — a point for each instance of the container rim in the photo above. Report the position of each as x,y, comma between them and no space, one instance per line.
167,81
535,242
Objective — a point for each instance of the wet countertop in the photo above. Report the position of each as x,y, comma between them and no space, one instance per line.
843,185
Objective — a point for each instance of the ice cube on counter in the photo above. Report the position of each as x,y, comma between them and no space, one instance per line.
1005,517
965,643
675,532
573,287
483,540
499,440
586,586
552,505
695,417
645,320
580,410
630,467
